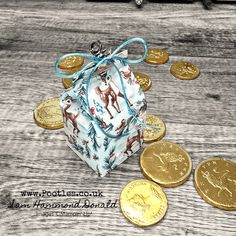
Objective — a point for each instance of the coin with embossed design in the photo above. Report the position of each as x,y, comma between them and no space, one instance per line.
166,163
71,62
143,80
48,114
150,134
143,202
215,182
156,56
184,70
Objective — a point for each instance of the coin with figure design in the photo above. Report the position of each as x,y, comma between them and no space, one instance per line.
156,56
215,182
143,202
48,114
184,70
166,163
143,80
151,134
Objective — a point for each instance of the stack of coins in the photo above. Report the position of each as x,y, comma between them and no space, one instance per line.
70,65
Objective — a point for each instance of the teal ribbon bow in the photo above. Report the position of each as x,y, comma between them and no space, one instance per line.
96,62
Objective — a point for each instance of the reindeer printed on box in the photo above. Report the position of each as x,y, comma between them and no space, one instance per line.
108,106
110,94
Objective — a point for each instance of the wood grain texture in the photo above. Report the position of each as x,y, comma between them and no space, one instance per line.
199,114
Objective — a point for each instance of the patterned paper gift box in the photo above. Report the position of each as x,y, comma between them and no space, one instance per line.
104,109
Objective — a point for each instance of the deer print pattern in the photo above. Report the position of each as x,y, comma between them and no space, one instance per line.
107,104
109,95
69,115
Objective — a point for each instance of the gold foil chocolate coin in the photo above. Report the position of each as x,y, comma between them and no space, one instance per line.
143,202
184,70
71,62
143,80
67,83
215,182
166,163
48,114
72,71
156,56
150,134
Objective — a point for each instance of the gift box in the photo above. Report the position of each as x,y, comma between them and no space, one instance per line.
104,109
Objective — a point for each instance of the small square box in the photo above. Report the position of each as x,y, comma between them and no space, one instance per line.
108,105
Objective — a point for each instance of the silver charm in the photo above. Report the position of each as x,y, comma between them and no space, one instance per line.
138,2
97,49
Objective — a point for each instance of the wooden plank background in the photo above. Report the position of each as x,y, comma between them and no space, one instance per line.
199,114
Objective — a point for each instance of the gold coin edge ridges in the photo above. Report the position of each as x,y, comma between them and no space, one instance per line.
165,198
202,194
42,125
175,184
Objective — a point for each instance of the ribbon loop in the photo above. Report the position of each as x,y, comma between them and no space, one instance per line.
123,45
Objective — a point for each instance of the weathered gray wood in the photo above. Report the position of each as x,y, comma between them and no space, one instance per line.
199,114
